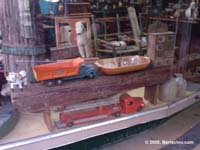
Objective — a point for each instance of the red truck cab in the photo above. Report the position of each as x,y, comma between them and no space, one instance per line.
131,104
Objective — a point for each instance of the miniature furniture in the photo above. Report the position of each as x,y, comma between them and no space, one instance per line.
187,36
70,21
161,48
137,32
102,41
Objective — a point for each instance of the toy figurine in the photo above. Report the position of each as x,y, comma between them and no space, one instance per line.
118,44
66,34
18,79
192,11
83,42
126,105
56,73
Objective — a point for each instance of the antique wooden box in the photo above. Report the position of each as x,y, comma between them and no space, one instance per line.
161,48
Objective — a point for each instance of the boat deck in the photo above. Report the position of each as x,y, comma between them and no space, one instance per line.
189,120
31,131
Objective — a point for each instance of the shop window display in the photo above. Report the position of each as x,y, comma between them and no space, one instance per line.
82,66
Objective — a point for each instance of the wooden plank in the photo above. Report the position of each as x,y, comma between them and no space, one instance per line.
47,120
38,97
151,94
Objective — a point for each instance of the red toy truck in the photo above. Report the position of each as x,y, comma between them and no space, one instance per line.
126,105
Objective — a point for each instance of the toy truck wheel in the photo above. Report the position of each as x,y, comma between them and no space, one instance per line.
59,82
91,75
70,124
139,109
117,114
50,83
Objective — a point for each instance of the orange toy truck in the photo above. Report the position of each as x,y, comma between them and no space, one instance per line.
64,70
126,105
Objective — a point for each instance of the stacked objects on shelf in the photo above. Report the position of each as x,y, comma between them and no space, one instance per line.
76,7
109,8
161,48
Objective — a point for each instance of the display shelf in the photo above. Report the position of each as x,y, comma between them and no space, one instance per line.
172,19
69,136
83,3
42,97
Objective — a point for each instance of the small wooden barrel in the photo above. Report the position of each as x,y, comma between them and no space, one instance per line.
23,38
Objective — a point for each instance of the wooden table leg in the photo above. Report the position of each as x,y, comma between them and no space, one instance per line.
151,94
47,120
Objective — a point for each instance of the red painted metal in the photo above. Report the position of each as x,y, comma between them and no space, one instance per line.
126,105
130,104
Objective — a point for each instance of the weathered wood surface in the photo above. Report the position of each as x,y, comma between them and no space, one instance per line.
22,32
22,29
64,53
161,48
151,94
37,97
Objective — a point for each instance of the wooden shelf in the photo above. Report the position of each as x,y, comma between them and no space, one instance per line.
172,19
83,3
111,19
80,14
42,97
76,9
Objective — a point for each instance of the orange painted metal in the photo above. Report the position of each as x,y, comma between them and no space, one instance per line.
57,70
119,65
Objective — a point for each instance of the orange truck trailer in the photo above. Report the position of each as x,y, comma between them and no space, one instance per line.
52,73
126,105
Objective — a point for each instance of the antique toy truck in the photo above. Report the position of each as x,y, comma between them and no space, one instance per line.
126,105
56,73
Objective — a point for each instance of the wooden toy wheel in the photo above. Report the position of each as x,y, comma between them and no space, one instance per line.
91,75
70,124
59,82
117,114
50,83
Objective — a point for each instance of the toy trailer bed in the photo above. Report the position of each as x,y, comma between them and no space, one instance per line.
57,70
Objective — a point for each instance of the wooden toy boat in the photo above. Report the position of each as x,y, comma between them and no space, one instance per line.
119,65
